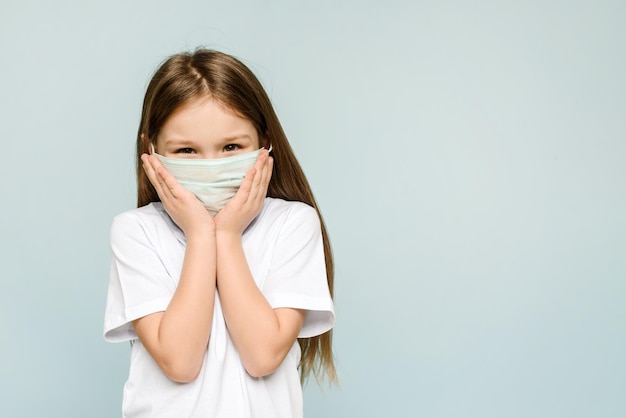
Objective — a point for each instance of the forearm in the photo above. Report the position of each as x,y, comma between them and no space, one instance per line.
261,336
178,339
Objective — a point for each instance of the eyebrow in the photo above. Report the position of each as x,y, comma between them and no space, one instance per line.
237,137
178,141
230,138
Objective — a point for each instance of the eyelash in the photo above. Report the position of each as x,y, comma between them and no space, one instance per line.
227,148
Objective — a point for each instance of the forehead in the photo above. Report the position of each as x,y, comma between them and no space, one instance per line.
207,119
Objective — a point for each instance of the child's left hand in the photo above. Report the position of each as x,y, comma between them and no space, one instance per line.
248,202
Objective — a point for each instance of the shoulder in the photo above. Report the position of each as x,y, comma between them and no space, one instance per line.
145,219
151,210
286,219
144,214
279,208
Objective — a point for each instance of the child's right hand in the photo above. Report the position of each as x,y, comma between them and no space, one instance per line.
182,205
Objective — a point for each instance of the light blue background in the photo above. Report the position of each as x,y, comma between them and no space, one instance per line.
468,157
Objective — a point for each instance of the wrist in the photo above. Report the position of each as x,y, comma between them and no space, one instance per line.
203,234
225,236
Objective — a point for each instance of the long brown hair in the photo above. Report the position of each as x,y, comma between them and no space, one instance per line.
187,76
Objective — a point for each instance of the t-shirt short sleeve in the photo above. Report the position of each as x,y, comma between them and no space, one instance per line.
297,275
139,283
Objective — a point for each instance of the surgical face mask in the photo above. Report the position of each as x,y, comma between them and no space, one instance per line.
213,181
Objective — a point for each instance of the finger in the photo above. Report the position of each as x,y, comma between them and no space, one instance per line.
158,174
264,181
268,172
268,166
261,168
169,183
163,179
150,173
246,186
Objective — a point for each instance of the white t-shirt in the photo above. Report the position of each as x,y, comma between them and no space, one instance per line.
284,250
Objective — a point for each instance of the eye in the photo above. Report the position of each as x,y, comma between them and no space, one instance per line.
184,151
231,147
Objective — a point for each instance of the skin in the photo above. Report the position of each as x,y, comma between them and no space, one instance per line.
177,338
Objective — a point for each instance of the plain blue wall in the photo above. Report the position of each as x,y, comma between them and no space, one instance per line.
468,157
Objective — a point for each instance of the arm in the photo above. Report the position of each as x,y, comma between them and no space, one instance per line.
263,336
177,338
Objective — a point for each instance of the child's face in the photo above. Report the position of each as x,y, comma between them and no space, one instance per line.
204,128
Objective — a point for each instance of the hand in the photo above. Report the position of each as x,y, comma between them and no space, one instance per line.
248,201
182,205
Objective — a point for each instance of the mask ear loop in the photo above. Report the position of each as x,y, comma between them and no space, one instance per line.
152,148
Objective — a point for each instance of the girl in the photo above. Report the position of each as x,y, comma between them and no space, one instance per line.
222,277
